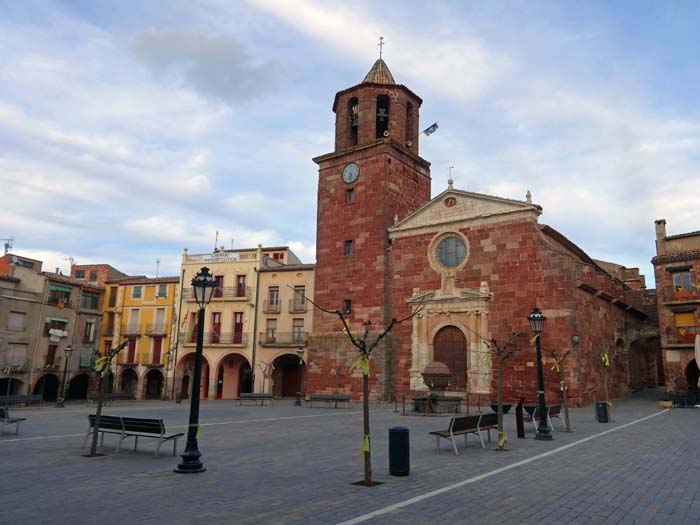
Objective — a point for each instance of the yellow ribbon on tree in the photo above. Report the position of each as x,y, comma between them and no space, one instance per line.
606,360
199,428
532,341
102,366
363,362
556,367
502,439
365,446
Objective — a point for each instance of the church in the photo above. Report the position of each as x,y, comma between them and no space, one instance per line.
474,265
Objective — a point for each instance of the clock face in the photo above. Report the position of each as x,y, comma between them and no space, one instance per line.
350,173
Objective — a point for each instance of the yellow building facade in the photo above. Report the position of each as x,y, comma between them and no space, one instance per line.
238,354
141,311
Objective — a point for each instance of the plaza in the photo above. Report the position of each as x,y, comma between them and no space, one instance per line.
286,464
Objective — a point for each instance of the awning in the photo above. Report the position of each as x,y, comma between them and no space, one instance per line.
57,319
59,288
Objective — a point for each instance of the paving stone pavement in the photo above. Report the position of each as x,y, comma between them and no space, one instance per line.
290,465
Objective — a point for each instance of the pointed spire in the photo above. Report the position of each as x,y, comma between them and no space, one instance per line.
379,74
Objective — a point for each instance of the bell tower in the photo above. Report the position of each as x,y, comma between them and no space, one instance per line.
374,176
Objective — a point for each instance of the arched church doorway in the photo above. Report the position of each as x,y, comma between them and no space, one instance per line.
78,387
450,348
285,375
47,386
154,384
233,377
129,381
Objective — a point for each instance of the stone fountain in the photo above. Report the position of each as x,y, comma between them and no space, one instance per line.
438,378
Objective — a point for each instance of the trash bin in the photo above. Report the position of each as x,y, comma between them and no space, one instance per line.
178,397
399,453
601,411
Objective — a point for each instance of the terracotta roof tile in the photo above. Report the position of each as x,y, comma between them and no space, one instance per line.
379,74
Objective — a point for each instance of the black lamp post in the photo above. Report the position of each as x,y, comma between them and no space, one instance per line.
300,353
536,320
59,402
203,285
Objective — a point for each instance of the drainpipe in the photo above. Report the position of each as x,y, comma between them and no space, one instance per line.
255,318
177,336
37,335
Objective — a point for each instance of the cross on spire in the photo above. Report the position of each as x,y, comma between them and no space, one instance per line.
381,44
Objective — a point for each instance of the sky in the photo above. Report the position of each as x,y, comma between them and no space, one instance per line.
130,130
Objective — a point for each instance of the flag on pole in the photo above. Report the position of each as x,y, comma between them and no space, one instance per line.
430,130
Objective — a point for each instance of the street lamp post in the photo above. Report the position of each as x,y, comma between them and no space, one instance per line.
203,285
68,350
300,353
536,320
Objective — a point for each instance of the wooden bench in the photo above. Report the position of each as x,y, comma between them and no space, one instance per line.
14,400
262,398
108,398
132,427
6,419
328,399
467,425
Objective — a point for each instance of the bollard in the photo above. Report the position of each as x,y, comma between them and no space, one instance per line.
399,452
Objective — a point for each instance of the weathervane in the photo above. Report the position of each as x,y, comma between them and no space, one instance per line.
381,43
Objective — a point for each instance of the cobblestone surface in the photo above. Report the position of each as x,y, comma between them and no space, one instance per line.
285,464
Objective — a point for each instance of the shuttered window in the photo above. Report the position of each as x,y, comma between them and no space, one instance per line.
685,319
16,321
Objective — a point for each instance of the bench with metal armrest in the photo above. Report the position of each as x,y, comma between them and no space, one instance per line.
135,427
465,425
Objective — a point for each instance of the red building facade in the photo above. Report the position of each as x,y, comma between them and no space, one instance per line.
474,264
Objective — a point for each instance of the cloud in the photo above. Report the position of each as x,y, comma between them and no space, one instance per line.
214,66
307,253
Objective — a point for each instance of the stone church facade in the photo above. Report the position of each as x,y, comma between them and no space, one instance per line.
475,265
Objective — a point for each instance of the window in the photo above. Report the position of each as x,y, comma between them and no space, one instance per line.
89,335
133,321
17,354
350,195
51,355
686,328
93,276
80,274
136,292
271,332
298,330
681,282
113,296
159,322
59,295
219,290
347,306
90,300
107,347
353,115
54,324
157,347
273,296
215,327
162,290
451,251
348,247
16,322
237,328
300,294
410,133
240,286
278,256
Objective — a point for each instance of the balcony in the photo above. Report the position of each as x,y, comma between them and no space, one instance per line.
9,293
217,339
680,296
157,329
291,339
684,336
296,307
271,307
131,329
231,293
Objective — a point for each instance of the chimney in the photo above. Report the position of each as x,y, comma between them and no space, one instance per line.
660,236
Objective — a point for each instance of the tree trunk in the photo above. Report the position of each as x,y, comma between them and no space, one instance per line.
365,417
564,402
98,414
501,444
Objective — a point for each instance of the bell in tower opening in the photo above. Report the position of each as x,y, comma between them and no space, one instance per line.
382,116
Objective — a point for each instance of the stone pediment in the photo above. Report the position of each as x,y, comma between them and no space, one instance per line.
456,206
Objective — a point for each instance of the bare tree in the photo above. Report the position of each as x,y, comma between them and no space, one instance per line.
559,359
365,346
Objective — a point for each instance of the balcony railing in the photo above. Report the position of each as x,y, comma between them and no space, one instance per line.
217,338
271,307
679,296
295,307
18,294
273,338
131,329
225,292
157,329
682,336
